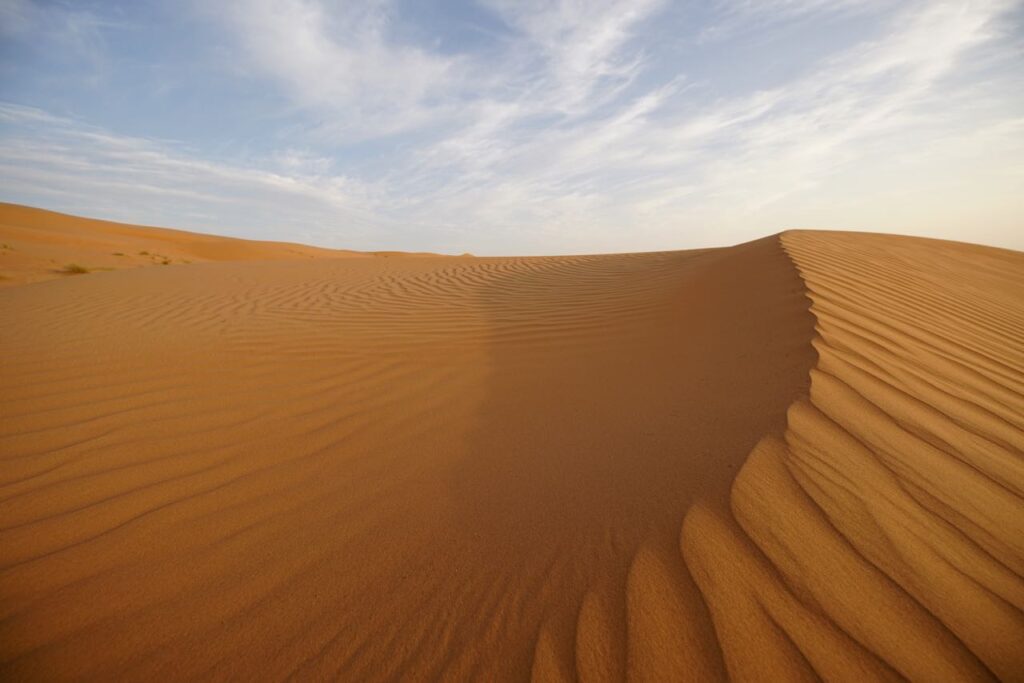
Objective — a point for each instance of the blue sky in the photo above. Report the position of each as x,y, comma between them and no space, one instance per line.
519,126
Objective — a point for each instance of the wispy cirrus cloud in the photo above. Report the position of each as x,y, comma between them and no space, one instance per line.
350,62
65,35
51,159
342,62
579,45
575,126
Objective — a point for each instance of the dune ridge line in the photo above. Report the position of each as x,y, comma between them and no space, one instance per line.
890,514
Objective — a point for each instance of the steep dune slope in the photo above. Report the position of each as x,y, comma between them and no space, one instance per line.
883,536
782,460
358,468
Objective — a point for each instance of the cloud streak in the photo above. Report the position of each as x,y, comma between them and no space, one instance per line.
572,130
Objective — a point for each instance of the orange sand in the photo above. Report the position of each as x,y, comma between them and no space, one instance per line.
799,457
37,245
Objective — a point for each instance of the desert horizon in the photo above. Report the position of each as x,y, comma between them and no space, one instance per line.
794,457
88,239
512,340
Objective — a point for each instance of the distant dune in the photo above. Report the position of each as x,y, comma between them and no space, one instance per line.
796,458
38,245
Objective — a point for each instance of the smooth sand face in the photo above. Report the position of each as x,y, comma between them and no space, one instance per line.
789,458
38,245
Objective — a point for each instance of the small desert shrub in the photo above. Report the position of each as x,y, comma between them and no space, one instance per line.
118,253
143,253
74,269
165,262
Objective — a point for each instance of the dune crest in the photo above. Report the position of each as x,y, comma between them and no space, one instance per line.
882,537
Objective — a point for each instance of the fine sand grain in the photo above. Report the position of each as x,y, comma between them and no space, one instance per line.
794,458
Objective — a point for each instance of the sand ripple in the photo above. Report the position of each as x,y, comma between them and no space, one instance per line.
645,467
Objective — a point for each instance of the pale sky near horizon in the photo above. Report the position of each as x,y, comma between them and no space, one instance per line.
519,127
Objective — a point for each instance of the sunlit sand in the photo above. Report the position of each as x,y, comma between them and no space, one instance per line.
794,457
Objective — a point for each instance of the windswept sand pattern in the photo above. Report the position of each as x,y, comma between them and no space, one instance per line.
791,459
882,537
371,468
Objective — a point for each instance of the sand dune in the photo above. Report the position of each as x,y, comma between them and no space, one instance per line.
795,458
890,513
38,245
